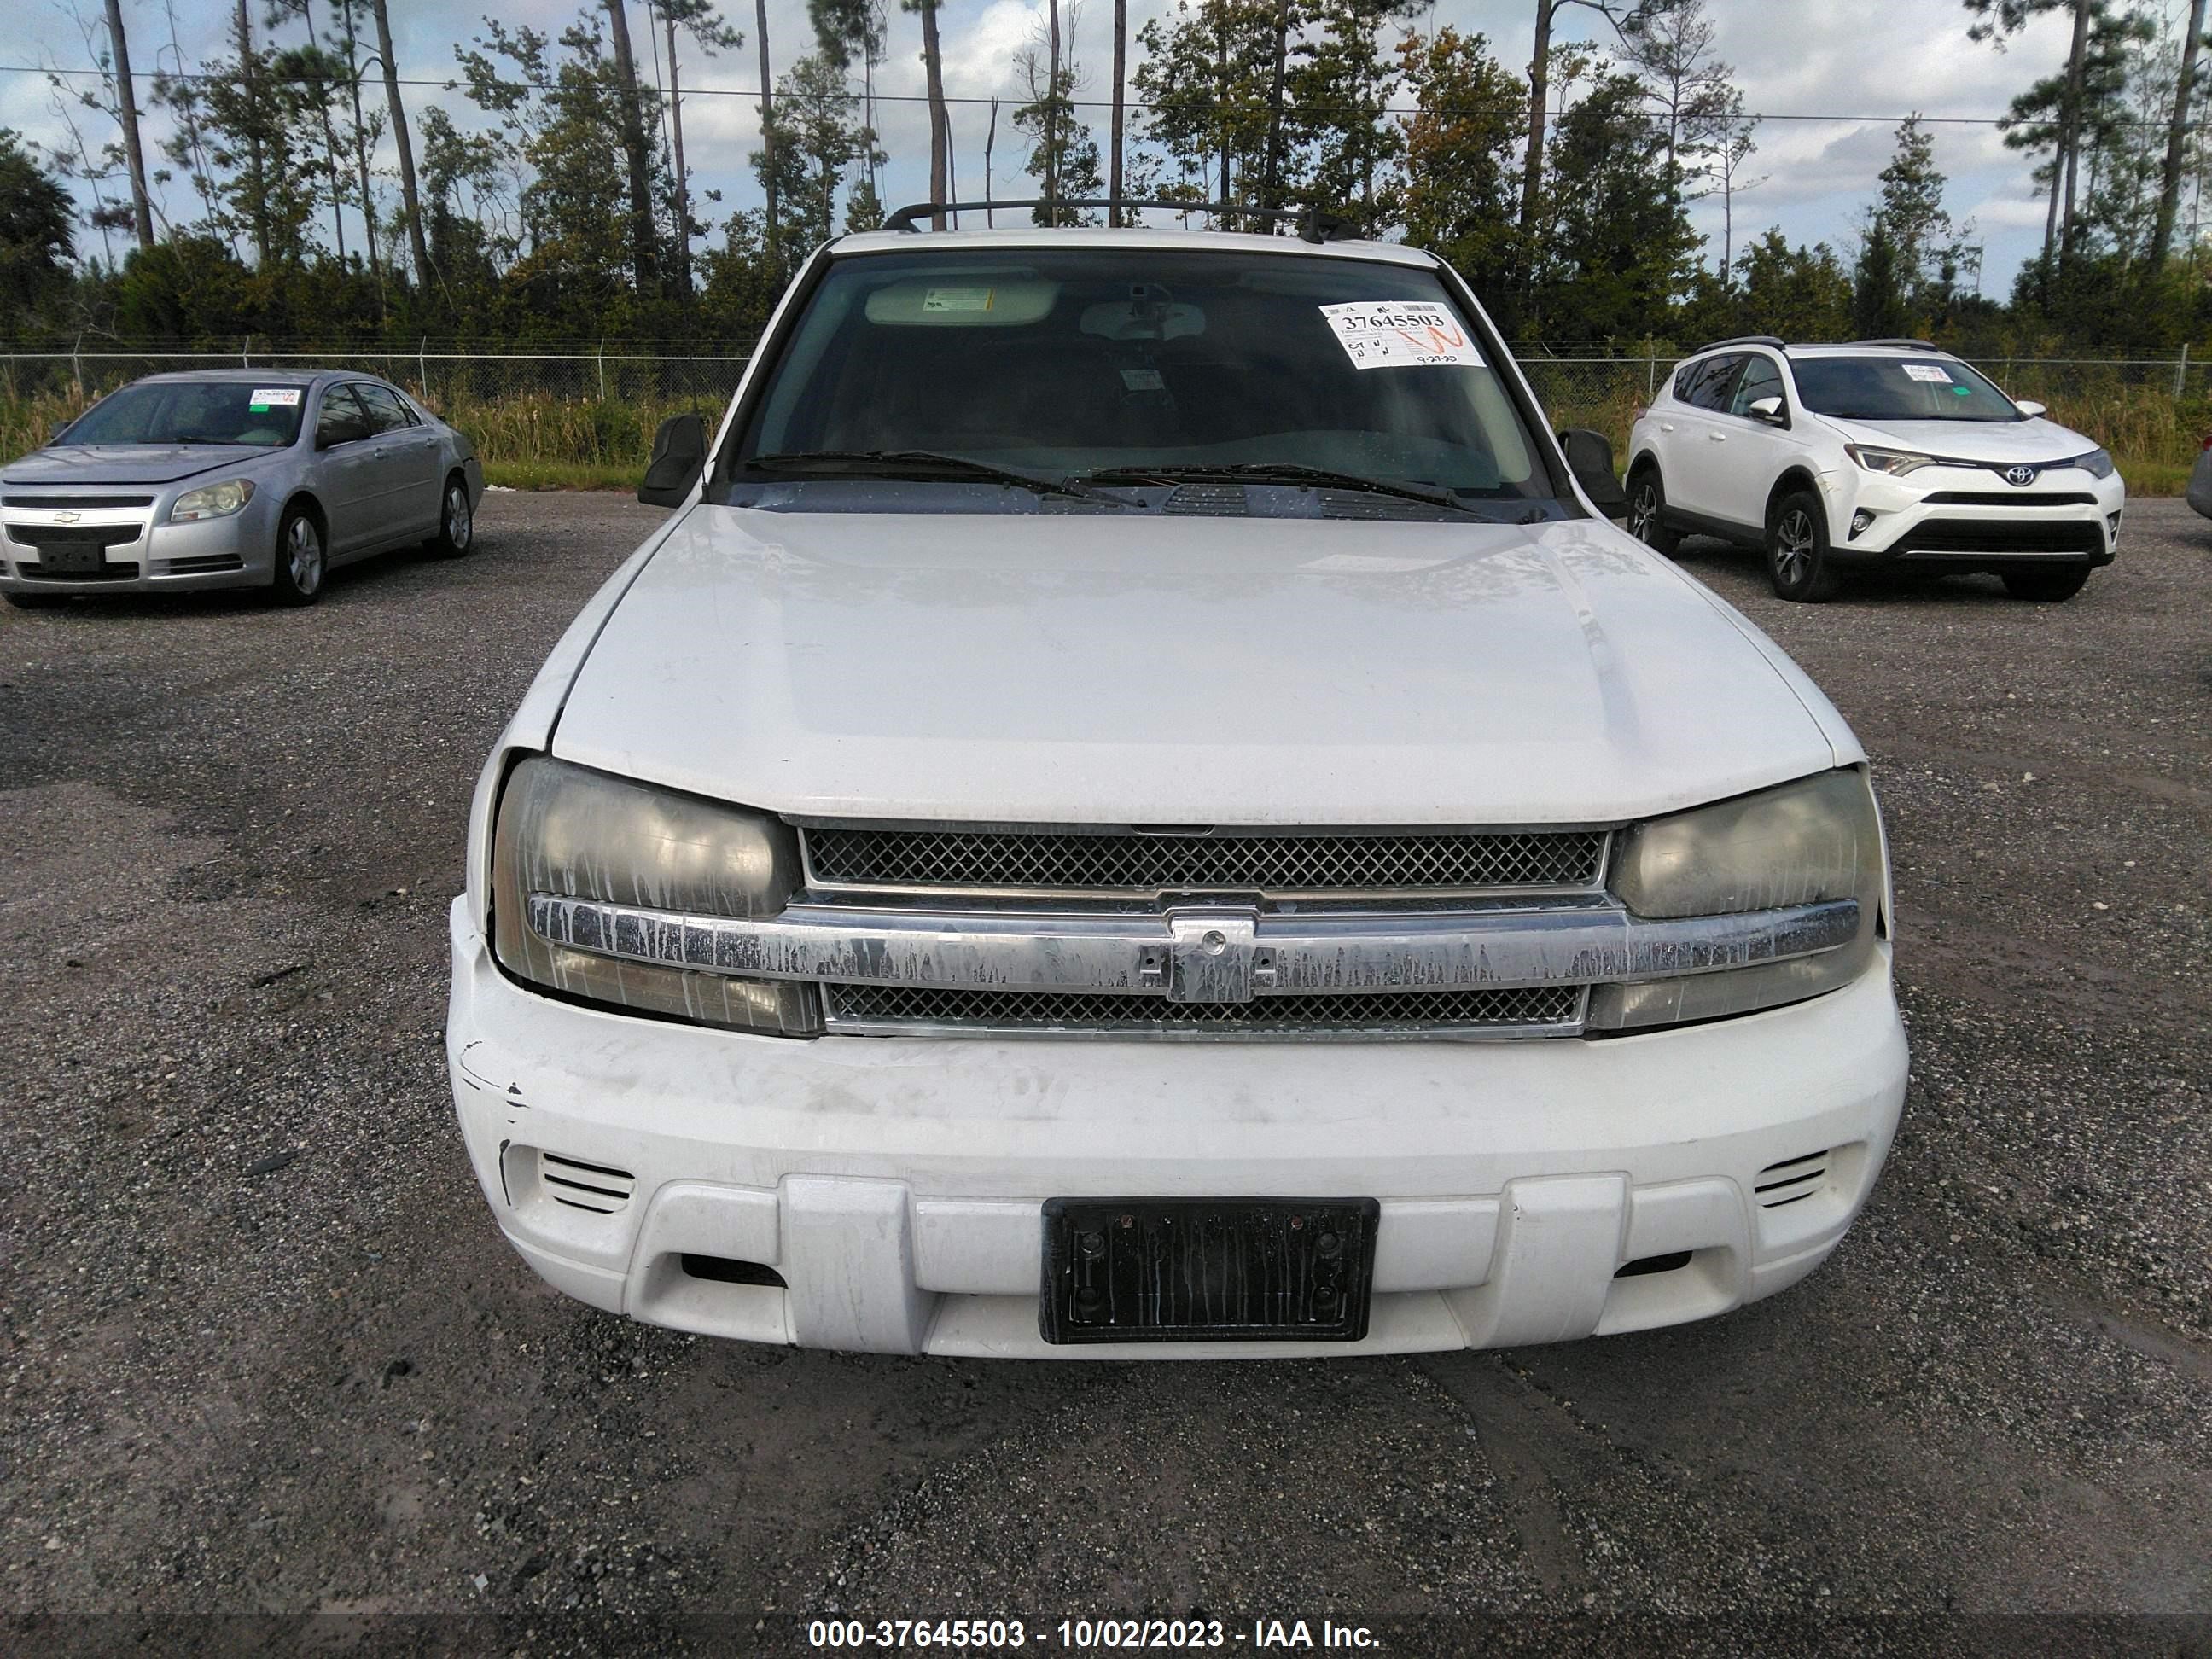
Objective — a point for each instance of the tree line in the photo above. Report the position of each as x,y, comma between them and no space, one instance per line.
289,191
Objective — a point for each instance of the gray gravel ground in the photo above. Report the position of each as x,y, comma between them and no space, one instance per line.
265,1353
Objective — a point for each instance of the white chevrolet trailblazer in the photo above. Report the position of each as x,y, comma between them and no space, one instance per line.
1134,809
1832,458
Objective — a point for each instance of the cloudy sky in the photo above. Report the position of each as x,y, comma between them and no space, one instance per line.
1857,65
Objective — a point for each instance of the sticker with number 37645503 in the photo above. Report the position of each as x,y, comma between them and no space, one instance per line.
1400,334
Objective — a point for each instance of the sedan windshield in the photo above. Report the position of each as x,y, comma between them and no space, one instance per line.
1899,389
193,412
1145,369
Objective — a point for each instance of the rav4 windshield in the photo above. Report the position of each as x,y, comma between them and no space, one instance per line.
1897,389
1063,362
194,412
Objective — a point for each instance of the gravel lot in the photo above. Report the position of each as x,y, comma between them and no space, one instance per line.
266,1353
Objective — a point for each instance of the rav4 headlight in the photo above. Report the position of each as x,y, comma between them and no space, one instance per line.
1894,463
570,833
1808,842
2098,463
212,500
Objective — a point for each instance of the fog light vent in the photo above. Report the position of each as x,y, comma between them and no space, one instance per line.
1860,520
583,1185
1786,1182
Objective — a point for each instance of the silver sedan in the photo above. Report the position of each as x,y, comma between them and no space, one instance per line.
234,477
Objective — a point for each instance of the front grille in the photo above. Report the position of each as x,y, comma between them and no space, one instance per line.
204,564
1547,1007
107,572
2081,536
2018,498
66,535
1140,863
57,503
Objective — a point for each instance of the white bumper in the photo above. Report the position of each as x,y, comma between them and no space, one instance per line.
894,1185
2001,525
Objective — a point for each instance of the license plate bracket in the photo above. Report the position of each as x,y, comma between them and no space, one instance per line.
71,558
1207,1270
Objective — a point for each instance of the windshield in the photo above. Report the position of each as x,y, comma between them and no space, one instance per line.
1144,365
193,412
1899,389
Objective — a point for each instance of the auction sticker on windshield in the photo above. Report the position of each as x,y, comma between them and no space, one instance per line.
1400,334
283,396
1930,373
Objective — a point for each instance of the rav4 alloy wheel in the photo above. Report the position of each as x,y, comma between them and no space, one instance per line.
1798,550
1647,509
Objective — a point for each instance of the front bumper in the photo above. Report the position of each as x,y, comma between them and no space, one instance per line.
894,1185
159,556
1969,518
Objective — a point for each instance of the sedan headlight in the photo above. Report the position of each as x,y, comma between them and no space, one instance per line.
568,833
1809,843
212,500
2098,463
1895,463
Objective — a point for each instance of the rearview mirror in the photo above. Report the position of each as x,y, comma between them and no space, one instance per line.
1765,409
679,456
2030,408
1589,457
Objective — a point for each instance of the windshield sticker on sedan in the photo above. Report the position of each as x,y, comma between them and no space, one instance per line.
1930,373
1400,334
281,397
956,299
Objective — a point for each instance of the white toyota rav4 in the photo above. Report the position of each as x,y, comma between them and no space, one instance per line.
1134,809
1883,452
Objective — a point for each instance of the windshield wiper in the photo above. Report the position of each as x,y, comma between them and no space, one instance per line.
1285,472
918,466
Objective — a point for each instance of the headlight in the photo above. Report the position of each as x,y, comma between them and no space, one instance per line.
212,500
2098,463
1896,463
575,834
1804,844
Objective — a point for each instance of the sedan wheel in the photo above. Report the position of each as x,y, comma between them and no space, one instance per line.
302,561
457,524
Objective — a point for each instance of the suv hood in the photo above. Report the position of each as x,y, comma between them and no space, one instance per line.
1106,670
128,464
2004,441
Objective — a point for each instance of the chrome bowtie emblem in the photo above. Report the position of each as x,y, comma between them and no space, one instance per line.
2020,475
67,518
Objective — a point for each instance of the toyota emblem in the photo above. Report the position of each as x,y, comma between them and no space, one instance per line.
2020,475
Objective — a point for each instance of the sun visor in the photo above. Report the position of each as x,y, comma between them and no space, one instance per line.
982,300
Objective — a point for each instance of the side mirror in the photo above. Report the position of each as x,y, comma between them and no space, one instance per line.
1589,457
679,456
2030,408
1768,409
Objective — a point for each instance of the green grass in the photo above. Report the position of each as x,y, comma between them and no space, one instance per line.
2154,477
563,475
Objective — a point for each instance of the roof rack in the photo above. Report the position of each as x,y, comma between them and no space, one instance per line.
1905,345
1314,224
1742,339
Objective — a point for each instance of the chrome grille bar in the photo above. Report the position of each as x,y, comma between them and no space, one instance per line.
1197,955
